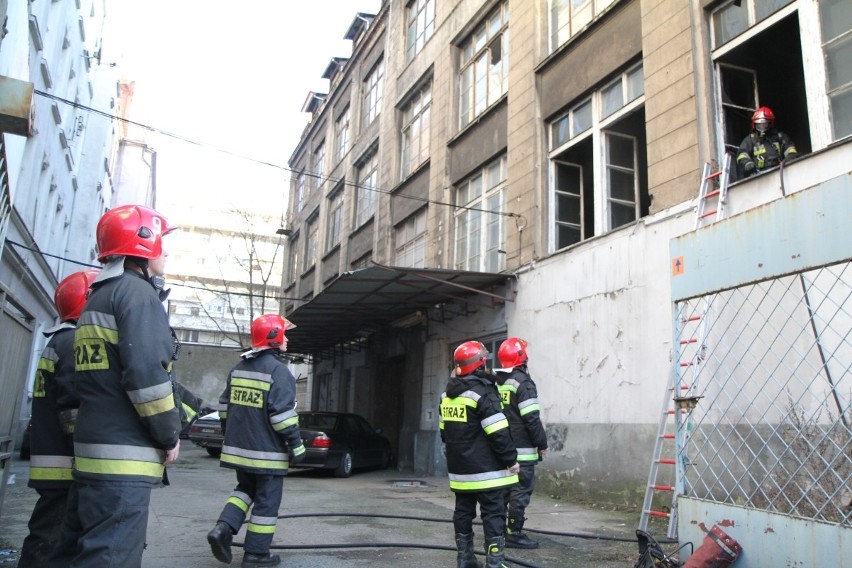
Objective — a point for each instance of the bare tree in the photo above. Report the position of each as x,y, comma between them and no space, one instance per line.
255,258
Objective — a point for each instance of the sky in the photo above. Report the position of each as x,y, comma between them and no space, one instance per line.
232,76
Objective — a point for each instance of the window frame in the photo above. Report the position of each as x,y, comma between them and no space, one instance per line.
319,165
311,243
366,188
414,244
416,118
419,26
334,226
558,8
599,130
477,218
341,135
476,56
373,94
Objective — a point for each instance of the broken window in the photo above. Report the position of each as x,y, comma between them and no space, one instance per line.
792,56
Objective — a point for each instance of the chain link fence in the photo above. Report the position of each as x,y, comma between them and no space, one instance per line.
767,370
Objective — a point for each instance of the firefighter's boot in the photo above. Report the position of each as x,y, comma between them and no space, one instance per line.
515,536
466,557
260,560
494,553
220,541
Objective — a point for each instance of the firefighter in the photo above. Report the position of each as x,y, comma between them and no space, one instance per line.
766,146
262,439
481,458
127,425
53,413
520,404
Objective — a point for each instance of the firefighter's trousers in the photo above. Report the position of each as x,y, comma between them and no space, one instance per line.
262,493
45,525
492,509
114,521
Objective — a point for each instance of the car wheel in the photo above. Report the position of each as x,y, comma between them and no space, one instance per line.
386,459
344,469
215,452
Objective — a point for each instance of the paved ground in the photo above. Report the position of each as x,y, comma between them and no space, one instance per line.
182,514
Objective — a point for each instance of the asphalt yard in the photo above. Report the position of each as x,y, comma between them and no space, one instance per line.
373,518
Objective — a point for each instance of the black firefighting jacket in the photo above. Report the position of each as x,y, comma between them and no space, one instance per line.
521,407
257,410
127,417
476,434
53,412
765,151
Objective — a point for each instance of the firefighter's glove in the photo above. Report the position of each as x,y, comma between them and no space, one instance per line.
297,454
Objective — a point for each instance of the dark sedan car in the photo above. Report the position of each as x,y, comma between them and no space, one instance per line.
336,441
341,442
207,433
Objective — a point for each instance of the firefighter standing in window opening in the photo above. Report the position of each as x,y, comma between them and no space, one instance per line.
127,425
481,458
262,439
54,411
766,146
520,404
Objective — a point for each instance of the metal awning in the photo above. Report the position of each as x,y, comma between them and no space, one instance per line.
359,303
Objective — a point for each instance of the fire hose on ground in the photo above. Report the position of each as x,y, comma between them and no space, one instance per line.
508,558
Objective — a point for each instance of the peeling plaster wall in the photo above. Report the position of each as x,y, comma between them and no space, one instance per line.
598,322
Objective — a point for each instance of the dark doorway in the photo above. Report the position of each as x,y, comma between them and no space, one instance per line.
390,375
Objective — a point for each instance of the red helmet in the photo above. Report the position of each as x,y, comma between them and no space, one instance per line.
763,119
131,230
512,352
268,331
70,296
469,356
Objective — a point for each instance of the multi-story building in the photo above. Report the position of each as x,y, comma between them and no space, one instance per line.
55,177
223,271
479,170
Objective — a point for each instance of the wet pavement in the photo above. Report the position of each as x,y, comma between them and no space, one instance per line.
374,518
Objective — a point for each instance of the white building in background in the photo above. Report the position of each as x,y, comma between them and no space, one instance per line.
224,270
55,178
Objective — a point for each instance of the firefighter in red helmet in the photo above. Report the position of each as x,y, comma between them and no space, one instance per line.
766,146
128,425
521,406
481,458
54,410
262,439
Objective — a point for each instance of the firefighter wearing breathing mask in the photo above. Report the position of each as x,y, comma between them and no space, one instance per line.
766,146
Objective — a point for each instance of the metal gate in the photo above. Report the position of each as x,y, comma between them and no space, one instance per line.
17,340
766,444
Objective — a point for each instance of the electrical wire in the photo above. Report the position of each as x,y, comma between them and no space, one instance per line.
171,284
270,164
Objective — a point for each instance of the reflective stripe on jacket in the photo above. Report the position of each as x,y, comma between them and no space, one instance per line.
476,434
127,417
51,448
258,413
521,406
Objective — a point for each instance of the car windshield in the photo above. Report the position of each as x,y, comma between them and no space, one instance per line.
318,421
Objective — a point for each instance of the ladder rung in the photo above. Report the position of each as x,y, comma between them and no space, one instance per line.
708,214
713,193
690,340
693,318
663,487
714,174
687,364
658,514
668,436
666,461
